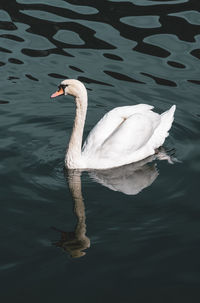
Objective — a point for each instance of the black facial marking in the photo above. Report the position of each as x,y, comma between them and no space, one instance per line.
63,86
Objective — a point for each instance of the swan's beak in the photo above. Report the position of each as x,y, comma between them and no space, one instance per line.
58,93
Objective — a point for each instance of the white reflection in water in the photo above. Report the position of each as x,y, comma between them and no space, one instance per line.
129,179
132,178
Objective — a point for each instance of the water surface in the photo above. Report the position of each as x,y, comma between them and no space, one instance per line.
128,245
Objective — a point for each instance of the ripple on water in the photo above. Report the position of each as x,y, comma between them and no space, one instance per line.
12,37
8,266
4,50
161,81
31,77
176,64
171,43
113,57
196,53
4,102
76,69
15,61
88,80
4,16
126,52
120,76
151,2
42,15
68,37
153,50
142,21
193,17
57,76
85,10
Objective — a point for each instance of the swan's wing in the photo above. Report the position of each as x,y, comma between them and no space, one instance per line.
110,122
130,136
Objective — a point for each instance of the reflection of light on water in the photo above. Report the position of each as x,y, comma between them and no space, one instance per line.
129,179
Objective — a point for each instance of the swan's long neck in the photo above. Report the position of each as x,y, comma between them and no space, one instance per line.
73,155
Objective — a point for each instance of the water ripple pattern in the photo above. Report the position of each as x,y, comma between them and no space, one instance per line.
125,52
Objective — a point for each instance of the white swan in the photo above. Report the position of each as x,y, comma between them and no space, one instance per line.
124,135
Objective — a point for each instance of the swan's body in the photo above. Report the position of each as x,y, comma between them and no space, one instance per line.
124,135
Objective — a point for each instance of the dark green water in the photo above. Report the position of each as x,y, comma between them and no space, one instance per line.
140,247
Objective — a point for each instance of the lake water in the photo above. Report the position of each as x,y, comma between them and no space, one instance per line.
76,238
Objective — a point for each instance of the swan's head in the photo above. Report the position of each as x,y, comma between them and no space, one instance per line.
70,87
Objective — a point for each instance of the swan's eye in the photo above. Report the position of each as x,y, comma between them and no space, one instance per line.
63,86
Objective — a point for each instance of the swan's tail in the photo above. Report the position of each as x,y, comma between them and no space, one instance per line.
167,119
161,132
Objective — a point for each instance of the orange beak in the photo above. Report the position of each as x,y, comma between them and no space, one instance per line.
58,93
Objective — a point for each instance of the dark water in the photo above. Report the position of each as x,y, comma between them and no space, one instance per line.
140,247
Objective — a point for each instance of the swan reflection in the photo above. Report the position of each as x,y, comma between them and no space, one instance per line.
129,179
75,242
